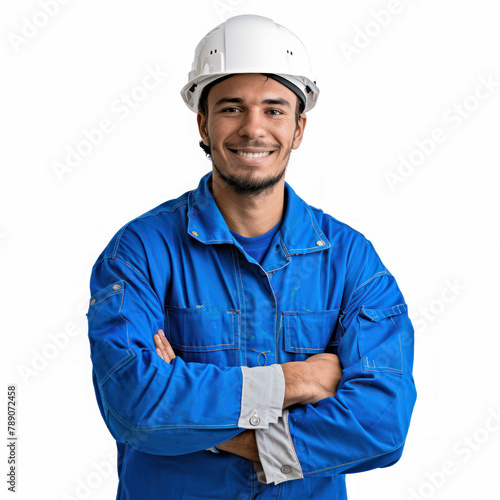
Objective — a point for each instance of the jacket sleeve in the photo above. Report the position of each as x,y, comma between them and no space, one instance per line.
364,426
162,408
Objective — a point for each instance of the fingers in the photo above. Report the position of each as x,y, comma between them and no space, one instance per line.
170,351
163,347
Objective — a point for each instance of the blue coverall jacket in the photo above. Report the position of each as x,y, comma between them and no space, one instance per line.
320,287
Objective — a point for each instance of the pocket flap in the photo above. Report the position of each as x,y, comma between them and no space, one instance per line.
202,329
379,314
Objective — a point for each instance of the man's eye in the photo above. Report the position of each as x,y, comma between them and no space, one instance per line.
275,112
230,110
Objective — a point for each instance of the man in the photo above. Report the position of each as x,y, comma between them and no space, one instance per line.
245,344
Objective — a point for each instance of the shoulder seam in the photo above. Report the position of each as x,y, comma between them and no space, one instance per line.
144,216
376,275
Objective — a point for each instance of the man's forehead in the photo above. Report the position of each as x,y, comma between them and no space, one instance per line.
251,85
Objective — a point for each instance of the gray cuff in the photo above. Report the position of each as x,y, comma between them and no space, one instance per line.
278,460
262,396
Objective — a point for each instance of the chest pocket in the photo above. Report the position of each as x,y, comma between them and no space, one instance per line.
311,332
204,334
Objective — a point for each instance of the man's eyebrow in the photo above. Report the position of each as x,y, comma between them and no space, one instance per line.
229,100
239,100
277,102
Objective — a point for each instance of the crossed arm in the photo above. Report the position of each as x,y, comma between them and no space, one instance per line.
306,382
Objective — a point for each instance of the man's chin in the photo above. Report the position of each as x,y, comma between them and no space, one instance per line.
249,184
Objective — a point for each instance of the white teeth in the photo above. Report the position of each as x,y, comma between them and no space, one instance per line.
252,155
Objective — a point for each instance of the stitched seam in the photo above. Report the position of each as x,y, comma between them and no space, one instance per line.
236,264
355,462
105,298
188,348
145,216
400,347
312,220
290,346
287,255
142,277
380,273
117,366
213,241
123,319
278,268
162,427
381,369
124,467
401,308
125,359
289,437
388,407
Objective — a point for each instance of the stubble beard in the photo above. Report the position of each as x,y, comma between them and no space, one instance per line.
251,187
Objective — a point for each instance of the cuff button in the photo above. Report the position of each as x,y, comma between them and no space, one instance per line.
254,420
286,469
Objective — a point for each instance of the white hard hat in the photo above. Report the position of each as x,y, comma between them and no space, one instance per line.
251,44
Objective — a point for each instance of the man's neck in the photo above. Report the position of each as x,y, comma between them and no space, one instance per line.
249,215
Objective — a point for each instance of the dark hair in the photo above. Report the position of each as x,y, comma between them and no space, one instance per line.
203,108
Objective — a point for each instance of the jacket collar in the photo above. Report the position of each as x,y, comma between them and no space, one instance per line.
300,232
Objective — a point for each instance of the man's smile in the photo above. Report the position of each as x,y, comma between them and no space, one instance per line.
252,155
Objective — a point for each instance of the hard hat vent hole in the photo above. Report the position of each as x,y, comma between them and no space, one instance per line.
289,52
215,51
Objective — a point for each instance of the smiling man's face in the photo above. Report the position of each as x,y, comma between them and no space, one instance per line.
251,129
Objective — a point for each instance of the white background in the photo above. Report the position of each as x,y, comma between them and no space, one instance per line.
436,230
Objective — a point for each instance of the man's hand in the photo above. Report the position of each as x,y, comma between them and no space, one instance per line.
311,380
163,347
244,445
306,382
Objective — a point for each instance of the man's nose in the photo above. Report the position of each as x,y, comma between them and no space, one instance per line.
252,125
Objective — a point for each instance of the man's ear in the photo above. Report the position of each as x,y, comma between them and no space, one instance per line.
299,131
202,127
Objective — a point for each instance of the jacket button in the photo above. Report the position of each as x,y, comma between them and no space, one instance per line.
116,287
195,233
320,243
255,420
286,469
92,302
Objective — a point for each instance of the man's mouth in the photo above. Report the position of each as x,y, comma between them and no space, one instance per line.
251,154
